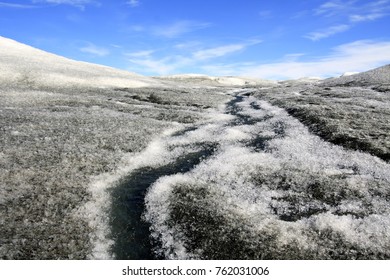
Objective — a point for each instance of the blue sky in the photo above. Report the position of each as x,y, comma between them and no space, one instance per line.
272,39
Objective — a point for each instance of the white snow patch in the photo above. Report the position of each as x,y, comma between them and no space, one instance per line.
346,74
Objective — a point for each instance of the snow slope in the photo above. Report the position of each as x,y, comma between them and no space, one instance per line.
376,76
24,65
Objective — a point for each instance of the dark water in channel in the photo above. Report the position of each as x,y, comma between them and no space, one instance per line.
129,231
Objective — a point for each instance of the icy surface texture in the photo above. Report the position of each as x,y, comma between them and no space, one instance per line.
357,118
54,143
271,190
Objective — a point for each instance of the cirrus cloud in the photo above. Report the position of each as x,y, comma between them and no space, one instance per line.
133,3
15,5
327,32
179,28
349,13
95,50
76,3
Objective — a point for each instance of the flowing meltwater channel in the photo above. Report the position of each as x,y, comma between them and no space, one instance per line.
130,232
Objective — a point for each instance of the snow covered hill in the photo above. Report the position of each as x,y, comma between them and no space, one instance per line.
376,76
27,66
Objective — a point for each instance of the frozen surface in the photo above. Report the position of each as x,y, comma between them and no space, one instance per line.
270,190
354,117
54,144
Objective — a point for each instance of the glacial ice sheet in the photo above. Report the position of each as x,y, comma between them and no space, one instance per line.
271,190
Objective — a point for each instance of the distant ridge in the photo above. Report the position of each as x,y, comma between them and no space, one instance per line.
200,79
376,76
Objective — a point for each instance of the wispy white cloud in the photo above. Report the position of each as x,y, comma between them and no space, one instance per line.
293,56
191,45
350,13
133,3
332,8
146,53
162,66
346,8
352,57
378,6
76,3
171,30
116,46
179,28
142,61
15,6
95,50
367,17
148,60
324,33
218,51
372,11
222,50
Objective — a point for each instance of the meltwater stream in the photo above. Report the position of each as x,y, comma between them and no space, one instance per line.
130,232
